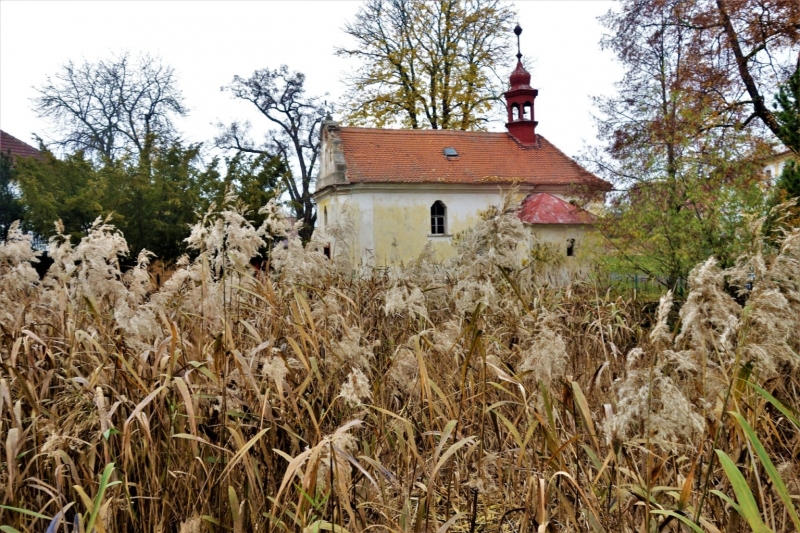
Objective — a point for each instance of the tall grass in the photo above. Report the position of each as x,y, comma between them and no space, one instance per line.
464,397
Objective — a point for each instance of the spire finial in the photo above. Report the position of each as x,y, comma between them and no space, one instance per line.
517,31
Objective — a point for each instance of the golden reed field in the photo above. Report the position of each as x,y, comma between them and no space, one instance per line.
311,396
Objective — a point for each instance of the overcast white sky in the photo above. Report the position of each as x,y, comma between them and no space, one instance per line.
209,42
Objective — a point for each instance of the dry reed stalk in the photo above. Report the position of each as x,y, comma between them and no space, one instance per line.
226,398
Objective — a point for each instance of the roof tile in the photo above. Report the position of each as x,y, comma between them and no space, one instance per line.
416,156
543,208
15,147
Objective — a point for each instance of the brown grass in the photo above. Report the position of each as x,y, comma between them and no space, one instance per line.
492,404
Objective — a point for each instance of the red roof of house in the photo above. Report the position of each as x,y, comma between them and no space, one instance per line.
543,208
417,156
17,148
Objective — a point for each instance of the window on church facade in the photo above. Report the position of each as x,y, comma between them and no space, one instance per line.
438,216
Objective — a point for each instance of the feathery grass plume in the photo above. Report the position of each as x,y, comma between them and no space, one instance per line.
771,322
402,300
356,389
192,525
295,264
350,350
403,374
275,224
709,313
275,368
18,279
545,359
88,270
494,241
661,335
650,403
340,441
226,236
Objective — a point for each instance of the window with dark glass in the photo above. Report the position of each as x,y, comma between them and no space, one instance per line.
438,213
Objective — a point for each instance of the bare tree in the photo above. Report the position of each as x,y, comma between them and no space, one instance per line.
112,106
279,95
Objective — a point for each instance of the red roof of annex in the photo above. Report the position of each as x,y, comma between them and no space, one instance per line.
543,208
417,156
17,148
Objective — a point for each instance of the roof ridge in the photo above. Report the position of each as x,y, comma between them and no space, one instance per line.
420,131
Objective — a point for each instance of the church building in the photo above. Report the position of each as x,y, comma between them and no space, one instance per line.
405,188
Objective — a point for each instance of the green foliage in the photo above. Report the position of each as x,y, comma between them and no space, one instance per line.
153,199
666,226
255,180
787,111
10,205
686,168
52,189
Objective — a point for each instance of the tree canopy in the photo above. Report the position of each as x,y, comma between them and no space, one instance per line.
113,106
428,64
685,157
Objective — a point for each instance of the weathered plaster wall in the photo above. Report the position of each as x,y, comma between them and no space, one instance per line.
392,222
552,241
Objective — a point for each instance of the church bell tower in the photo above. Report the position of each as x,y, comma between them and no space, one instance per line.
519,102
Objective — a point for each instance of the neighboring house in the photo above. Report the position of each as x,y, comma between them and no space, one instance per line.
406,188
16,148
773,166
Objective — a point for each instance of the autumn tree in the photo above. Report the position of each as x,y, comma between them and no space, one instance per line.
736,52
113,106
280,97
685,166
427,64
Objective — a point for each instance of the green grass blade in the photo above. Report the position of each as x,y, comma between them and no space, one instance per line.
772,472
9,529
776,403
680,517
98,500
747,503
25,511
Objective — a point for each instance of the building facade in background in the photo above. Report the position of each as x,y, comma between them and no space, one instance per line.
402,189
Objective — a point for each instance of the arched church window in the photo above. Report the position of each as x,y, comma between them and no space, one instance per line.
325,216
570,247
438,216
515,112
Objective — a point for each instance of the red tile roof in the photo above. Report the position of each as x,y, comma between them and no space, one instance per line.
543,208
17,148
416,156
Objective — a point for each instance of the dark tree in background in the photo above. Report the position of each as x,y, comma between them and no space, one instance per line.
10,203
787,115
279,95
428,64
112,107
